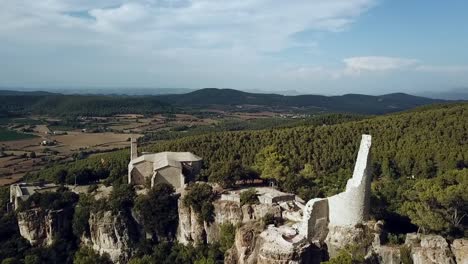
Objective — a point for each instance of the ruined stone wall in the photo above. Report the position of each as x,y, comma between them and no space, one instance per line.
352,206
345,209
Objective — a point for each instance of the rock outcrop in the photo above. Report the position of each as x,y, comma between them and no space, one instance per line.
191,230
244,250
111,234
429,249
460,250
41,227
365,238
389,254
277,245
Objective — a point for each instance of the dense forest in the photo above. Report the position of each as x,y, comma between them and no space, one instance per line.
419,158
79,105
21,103
356,103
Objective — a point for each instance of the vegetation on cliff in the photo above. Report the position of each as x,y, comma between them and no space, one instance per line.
158,211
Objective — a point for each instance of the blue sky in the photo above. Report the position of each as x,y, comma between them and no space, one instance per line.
312,46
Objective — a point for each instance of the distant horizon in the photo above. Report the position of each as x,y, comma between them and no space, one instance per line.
454,94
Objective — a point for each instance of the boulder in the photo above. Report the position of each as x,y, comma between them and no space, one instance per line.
429,249
389,255
460,250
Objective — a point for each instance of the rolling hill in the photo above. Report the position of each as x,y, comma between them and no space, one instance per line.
101,105
355,103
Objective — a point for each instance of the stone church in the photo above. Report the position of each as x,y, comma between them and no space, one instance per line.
175,168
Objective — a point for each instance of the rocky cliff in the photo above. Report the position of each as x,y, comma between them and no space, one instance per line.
429,249
112,234
191,230
41,227
277,245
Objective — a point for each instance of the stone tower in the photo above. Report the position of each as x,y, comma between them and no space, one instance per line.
345,209
133,149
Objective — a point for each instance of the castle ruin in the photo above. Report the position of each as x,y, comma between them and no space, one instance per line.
345,209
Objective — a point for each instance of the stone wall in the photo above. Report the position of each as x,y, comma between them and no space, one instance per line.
345,209
352,206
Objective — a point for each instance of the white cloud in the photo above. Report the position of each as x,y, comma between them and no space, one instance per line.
165,35
357,65
185,43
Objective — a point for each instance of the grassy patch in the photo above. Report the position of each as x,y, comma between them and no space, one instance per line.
10,135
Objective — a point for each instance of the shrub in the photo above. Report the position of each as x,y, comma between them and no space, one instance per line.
81,217
200,197
86,255
227,236
249,197
92,188
158,210
395,239
271,219
405,254
121,197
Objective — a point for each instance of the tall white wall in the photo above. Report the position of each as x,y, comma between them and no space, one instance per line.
352,206
348,208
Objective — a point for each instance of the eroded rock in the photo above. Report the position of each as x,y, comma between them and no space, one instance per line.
40,227
460,250
429,249
111,234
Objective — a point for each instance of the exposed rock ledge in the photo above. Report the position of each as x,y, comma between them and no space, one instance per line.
40,227
277,245
190,230
429,249
111,234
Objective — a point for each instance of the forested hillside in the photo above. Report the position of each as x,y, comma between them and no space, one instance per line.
22,103
73,105
315,161
355,103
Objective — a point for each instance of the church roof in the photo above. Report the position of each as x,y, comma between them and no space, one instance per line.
164,159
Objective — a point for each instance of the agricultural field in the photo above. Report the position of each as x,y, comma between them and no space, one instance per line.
12,135
30,143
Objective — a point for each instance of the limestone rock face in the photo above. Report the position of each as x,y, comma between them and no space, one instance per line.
363,236
277,245
460,250
389,255
191,230
429,249
283,245
111,234
40,226
244,250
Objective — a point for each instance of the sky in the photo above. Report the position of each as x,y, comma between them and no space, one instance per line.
310,46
